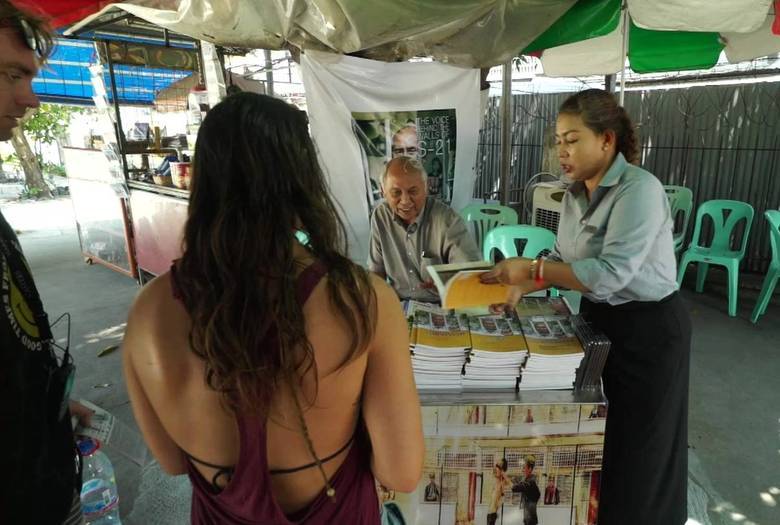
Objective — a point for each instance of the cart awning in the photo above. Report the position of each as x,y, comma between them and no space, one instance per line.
66,77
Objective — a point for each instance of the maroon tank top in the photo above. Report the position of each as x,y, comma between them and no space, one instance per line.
248,498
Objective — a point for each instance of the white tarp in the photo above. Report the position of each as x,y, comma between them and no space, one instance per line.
472,33
734,16
747,46
432,98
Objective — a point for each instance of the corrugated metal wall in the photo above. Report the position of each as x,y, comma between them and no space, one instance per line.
723,142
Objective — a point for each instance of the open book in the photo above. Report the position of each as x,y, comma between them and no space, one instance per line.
459,285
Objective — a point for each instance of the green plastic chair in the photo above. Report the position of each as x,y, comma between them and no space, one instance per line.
484,217
720,251
773,273
680,202
505,240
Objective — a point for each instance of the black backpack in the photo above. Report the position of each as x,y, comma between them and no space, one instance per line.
39,458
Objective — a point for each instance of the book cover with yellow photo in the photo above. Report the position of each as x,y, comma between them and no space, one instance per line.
495,333
438,328
550,336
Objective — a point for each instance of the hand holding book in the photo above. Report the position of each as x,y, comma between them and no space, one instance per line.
516,273
533,276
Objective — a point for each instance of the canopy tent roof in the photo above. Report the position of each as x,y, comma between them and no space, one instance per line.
472,33
663,34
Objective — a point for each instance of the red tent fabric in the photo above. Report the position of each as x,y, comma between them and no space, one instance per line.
776,24
61,13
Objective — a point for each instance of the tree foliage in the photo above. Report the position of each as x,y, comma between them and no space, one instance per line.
50,122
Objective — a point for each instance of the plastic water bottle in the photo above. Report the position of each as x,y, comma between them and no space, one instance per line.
99,498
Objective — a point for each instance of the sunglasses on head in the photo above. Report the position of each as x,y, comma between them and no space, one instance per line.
31,36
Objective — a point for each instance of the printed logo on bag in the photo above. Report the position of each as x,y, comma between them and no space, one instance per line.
18,311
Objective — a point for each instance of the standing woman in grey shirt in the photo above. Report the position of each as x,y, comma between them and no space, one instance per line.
615,245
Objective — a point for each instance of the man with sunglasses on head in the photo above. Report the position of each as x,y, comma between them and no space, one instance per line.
38,459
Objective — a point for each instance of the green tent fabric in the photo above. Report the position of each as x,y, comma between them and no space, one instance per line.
656,51
586,19
648,50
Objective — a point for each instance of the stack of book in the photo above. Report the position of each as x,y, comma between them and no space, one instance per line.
498,350
538,347
439,340
530,306
554,353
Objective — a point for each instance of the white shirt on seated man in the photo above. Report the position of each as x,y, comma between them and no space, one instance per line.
411,231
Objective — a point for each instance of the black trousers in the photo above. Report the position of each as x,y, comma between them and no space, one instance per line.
645,469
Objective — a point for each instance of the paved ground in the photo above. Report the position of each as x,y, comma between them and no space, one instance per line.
734,411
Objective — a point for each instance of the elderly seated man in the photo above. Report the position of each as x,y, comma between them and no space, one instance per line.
411,231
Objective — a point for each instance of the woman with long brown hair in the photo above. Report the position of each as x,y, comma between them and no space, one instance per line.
614,244
275,373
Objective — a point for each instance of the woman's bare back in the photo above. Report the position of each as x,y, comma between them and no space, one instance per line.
198,422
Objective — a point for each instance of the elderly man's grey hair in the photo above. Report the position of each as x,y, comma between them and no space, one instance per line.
408,164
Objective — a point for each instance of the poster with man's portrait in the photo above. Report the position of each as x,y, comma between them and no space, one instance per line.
426,135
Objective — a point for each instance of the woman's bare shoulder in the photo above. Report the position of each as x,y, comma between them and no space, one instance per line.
156,317
385,295
154,297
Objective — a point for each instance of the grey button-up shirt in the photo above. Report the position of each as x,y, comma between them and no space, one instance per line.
437,236
619,243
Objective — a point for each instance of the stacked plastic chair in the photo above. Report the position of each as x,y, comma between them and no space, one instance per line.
680,203
505,240
725,215
482,218
773,273
535,242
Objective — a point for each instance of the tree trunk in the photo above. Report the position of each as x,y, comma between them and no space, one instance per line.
32,170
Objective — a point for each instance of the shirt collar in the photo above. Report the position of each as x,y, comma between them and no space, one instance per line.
611,177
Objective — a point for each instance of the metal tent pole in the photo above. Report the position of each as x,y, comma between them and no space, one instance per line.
609,83
624,52
120,134
269,73
506,131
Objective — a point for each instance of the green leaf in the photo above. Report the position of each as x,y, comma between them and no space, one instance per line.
50,122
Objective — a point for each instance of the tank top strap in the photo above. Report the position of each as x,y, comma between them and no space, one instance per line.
175,281
308,279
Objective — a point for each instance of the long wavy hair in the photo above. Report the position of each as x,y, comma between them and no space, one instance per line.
256,182
599,111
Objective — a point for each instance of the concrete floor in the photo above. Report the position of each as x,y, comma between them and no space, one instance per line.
734,433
